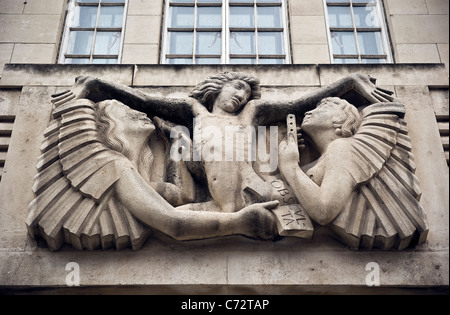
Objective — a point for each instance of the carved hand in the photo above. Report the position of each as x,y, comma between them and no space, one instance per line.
84,86
288,155
258,221
365,85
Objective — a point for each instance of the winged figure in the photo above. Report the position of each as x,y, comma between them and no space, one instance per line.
363,184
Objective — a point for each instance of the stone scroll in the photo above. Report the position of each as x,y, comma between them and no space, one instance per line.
118,164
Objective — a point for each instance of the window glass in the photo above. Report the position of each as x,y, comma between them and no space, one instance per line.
365,17
269,17
209,43
107,43
179,61
182,17
80,42
209,17
242,17
243,61
85,16
242,43
111,16
207,61
343,43
340,17
370,43
271,61
181,42
225,31
270,43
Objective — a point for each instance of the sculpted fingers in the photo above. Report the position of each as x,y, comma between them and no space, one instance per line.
62,98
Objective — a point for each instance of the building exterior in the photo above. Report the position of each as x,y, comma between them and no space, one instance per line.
166,48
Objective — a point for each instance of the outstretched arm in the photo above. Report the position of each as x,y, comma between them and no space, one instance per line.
364,85
177,110
149,207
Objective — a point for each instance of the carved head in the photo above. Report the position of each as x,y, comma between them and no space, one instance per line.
118,126
207,91
336,113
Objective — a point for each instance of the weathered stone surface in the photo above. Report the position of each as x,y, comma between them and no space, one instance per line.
243,265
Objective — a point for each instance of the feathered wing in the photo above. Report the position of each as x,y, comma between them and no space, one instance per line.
384,211
74,196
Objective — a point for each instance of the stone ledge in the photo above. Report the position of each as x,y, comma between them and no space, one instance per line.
293,75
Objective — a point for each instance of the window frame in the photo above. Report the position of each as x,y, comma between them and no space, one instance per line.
69,28
225,30
382,29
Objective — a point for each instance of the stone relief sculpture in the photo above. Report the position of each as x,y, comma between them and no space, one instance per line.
108,177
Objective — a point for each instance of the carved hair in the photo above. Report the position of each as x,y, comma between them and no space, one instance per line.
348,122
207,91
111,133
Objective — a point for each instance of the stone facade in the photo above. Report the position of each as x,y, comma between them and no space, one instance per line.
233,264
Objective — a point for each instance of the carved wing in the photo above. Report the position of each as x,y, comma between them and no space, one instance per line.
74,196
384,211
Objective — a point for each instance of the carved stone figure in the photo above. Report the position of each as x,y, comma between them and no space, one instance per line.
107,177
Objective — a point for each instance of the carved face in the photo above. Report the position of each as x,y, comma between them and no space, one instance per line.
131,120
321,117
233,96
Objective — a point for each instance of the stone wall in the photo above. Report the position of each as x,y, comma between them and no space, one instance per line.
232,264
30,32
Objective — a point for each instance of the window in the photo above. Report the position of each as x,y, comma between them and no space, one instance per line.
357,31
228,31
94,32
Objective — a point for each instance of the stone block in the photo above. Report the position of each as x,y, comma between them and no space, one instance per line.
308,30
437,6
145,7
269,75
34,53
395,74
11,7
44,7
312,7
418,53
34,29
411,7
5,54
420,29
140,54
23,74
310,54
142,30
444,54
